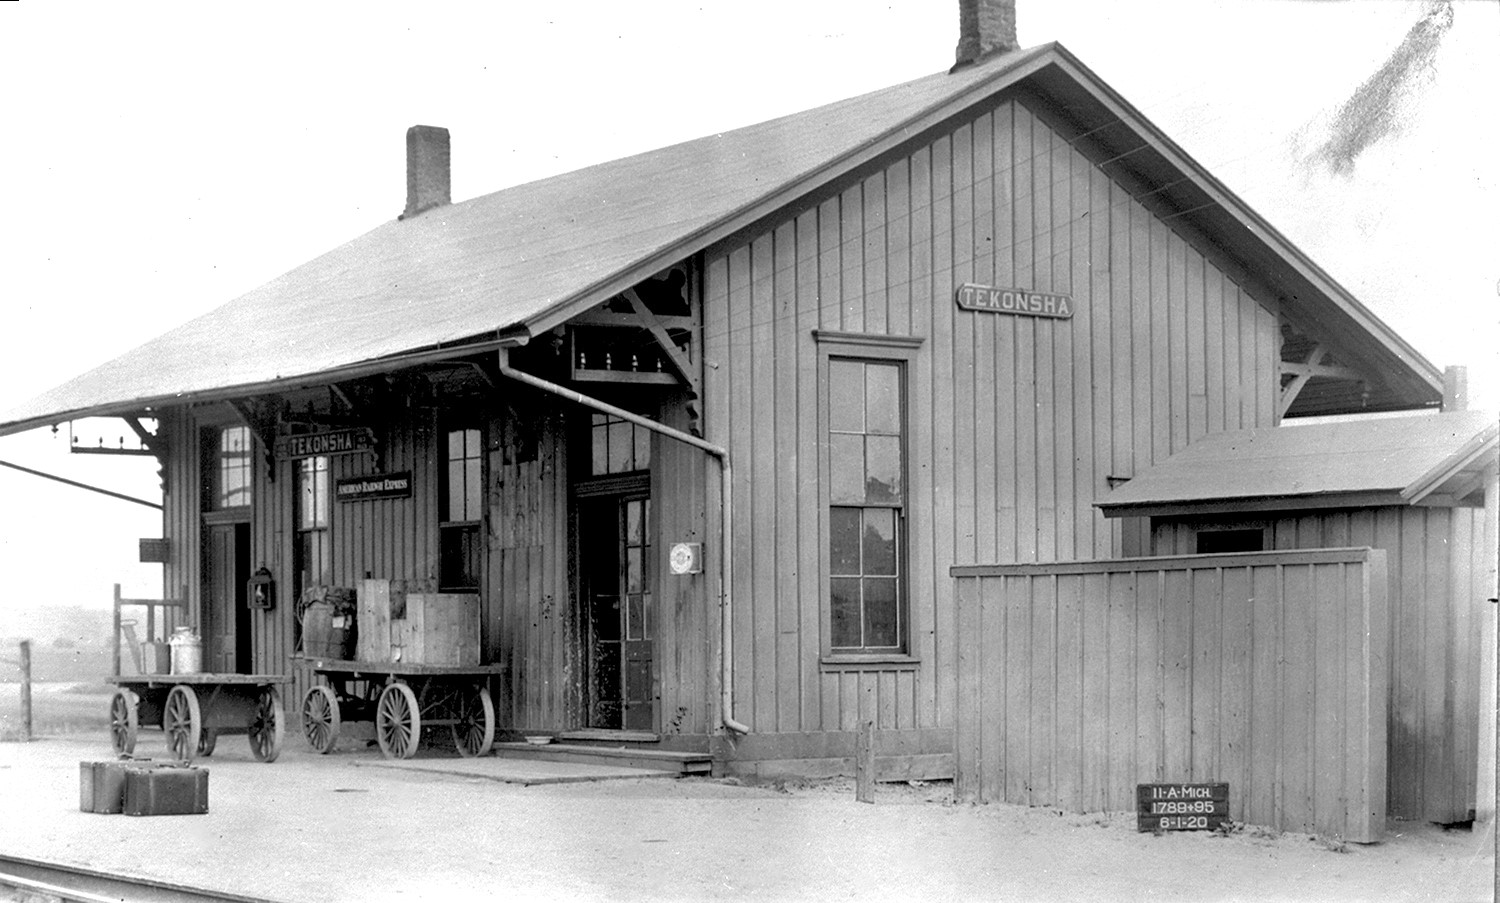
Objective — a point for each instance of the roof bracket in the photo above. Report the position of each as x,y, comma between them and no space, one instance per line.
152,442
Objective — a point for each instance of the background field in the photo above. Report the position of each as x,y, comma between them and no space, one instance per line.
57,709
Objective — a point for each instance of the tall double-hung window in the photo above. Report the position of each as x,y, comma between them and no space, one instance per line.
867,496
461,514
314,544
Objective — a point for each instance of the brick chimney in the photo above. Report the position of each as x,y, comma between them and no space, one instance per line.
428,184
985,28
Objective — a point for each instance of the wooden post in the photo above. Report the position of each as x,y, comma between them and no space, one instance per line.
864,763
114,642
1487,782
26,691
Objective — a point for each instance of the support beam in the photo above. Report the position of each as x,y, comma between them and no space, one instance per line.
679,361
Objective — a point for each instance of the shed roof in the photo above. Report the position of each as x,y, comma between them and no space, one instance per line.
508,265
1358,462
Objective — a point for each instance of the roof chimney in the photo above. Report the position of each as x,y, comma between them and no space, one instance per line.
427,180
985,28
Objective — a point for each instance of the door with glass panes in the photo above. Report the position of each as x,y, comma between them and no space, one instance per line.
615,542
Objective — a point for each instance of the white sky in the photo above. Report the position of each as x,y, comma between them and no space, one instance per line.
163,158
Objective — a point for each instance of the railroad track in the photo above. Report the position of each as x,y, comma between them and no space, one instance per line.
34,880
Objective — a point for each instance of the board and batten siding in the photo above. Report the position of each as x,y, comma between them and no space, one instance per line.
1265,670
1437,597
1014,422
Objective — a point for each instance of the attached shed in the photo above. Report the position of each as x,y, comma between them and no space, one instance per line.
1413,487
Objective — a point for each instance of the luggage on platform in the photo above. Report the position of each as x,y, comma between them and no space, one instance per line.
102,785
141,787
166,790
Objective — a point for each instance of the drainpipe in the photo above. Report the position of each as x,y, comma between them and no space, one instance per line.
726,633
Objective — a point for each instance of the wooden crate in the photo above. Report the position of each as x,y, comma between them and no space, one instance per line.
374,608
439,629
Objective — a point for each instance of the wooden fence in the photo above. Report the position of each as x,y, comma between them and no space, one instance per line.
1076,681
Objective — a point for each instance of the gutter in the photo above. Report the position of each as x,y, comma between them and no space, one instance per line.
726,527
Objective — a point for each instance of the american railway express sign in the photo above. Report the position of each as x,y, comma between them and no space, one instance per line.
374,486
1181,807
1013,301
331,442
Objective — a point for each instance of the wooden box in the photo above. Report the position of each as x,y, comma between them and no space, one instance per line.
168,790
439,629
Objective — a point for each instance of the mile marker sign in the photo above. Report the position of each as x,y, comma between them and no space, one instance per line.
1181,807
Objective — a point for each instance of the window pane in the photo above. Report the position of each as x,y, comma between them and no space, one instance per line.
633,617
320,492
845,591
880,541
621,447
453,502
880,612
473,489
455,444
600,435
846,396
882,470
307,509
471,443
843,528
642,448
648,627
634,581
634,528
882,398
846,467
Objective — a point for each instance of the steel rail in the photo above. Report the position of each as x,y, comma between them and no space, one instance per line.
75,884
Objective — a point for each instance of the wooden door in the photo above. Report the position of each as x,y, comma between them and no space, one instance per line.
616,562
226,640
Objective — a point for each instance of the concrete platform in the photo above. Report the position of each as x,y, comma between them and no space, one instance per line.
351,827
524,771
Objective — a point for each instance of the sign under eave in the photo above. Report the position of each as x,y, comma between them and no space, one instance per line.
330,442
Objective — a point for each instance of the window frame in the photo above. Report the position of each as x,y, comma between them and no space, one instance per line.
473,527
325,529
875,349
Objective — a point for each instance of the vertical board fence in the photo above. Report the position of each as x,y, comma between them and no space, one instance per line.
1076,681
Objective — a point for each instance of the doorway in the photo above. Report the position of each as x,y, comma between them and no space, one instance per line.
227,639
619,610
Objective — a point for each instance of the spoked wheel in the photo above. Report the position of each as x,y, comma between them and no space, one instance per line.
320,718
124,714
267,726
398,722
474,727
183,723
207,740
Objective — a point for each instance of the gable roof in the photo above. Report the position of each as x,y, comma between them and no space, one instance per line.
500,268
1360,462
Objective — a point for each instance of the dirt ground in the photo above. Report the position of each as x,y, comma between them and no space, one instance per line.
347,827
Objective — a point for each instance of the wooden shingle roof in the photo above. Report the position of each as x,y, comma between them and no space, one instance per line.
1353,463
506,266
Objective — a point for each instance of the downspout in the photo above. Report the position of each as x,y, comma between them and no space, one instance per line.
726,526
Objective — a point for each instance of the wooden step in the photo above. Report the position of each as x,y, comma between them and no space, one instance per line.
659,759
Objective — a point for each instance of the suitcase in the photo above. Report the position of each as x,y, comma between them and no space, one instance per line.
166,790
102,785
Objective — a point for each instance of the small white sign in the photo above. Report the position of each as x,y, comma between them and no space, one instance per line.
686,558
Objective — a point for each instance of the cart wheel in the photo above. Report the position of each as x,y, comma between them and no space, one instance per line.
398,723
207,740
320,718
474,729
268,726
124,714
183,723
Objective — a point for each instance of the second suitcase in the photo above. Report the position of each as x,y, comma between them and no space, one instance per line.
166,791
